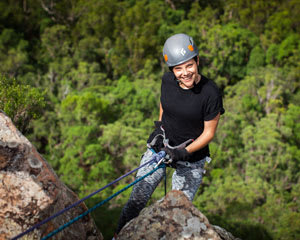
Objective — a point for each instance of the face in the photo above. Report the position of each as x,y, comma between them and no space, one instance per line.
187,73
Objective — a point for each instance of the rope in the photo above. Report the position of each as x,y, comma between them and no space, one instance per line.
78,202
165,181
100,204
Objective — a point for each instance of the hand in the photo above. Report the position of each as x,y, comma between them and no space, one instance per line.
177,154
158,145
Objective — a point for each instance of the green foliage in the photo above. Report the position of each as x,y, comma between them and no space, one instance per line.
133,101
256,59
282,23
289,51
278,26
81,157
271,54
291,121
253,14
55,40
21,103
266,153
224,51
13,54
99,65
131,50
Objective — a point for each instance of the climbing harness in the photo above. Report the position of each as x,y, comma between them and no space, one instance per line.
166,141
167,160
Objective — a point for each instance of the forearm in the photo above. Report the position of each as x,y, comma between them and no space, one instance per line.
200,142
160,112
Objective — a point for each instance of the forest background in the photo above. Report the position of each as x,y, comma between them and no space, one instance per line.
81,79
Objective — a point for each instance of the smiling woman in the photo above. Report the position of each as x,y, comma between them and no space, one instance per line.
190,108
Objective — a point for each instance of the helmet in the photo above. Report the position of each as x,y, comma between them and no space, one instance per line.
178,49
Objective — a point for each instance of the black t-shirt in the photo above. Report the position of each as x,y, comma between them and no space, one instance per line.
185,110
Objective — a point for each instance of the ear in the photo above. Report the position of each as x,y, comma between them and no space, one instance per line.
197,60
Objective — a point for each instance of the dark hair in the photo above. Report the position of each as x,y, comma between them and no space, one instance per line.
195,58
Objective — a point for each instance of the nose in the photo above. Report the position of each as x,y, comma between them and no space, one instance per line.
184,71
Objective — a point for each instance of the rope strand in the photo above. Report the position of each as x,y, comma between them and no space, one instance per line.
78,202
100,204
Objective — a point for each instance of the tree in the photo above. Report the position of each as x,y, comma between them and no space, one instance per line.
13,53
251,14
21,103
144,19
82,164
224,53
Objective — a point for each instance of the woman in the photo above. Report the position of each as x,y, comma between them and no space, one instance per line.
190,108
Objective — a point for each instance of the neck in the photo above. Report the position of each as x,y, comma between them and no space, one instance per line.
198,79
182,85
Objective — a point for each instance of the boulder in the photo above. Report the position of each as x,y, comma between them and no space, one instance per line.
30,192
173,217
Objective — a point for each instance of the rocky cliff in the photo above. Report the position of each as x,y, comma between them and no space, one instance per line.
172,218
30,192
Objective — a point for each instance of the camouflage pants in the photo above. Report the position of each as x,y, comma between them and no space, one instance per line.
187,178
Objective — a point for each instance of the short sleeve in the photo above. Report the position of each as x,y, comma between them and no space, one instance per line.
213,108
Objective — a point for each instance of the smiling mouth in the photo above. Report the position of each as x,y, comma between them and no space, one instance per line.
187,79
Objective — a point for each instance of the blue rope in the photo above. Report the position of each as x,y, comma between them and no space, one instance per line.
81,200
100,204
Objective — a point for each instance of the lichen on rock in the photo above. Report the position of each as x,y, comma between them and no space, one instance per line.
173,217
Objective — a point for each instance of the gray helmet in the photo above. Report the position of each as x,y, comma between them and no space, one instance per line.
178,49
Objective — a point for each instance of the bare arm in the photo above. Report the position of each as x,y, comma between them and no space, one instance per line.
207,135
160,112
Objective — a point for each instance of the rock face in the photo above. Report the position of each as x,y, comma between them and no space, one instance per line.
30,192
173,217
